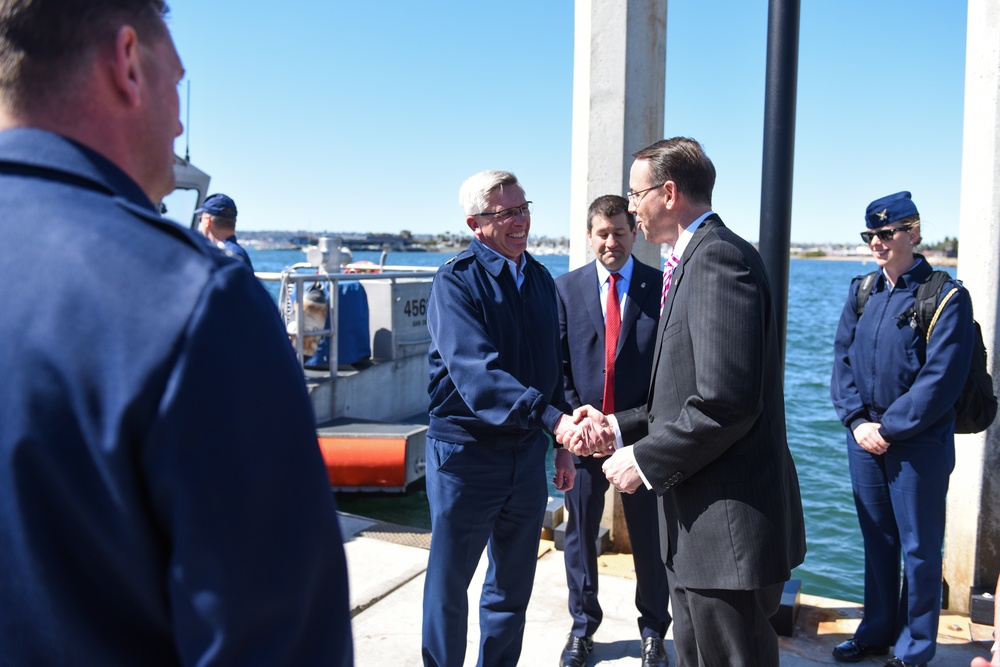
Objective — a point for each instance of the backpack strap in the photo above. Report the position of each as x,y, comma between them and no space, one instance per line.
937,313
865,288
927,300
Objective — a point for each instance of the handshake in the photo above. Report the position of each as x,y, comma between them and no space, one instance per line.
586,433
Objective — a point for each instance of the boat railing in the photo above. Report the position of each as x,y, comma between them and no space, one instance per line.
296,280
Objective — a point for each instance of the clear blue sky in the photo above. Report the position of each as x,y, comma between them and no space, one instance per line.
367,116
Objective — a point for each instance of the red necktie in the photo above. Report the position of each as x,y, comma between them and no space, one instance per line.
612,327
668,274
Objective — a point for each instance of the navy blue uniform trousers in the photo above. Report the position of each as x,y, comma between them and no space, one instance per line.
481,498
900,497
585,505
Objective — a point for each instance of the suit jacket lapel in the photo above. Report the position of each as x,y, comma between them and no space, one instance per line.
588,281
638,289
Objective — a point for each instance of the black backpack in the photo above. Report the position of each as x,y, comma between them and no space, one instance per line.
976,407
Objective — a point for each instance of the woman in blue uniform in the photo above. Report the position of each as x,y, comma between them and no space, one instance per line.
895,392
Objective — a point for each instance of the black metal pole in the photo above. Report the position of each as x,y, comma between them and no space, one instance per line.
779,151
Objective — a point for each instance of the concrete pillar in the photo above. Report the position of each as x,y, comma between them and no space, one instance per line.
972,536
619,73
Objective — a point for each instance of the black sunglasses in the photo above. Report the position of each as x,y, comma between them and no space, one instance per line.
883,234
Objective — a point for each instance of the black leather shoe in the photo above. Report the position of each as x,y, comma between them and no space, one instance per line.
854,651
575,653
896,662
654,653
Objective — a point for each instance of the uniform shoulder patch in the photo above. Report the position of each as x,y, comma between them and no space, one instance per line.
465,254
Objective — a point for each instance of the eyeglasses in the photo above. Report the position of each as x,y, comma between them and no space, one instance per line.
508,214
634,197
883,234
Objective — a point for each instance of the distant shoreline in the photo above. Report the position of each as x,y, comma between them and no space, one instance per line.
935,261
270,244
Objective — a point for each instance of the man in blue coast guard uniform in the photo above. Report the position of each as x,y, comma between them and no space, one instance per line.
496,392
894,390
218,223
137,527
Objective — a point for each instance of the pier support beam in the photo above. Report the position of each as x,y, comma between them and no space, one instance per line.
972,537
619,74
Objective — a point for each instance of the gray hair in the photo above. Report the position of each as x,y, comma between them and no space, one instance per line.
476,188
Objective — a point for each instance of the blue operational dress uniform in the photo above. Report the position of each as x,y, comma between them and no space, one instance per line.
353,340
222,206
885,372
162,497
496,392
232,246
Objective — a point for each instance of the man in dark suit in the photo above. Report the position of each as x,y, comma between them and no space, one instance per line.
713,427
585,300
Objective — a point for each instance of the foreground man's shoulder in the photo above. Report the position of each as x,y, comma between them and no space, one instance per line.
460,262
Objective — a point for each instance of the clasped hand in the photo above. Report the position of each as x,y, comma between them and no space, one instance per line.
868,437
586,433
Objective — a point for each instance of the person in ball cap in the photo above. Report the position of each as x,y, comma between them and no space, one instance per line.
218,223
895,392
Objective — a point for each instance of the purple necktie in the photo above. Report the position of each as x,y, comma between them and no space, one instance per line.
668,274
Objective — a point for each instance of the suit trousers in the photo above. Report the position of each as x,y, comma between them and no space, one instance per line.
481,498
585,505
900,499
720,628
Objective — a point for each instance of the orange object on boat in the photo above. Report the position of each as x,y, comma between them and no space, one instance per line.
373,456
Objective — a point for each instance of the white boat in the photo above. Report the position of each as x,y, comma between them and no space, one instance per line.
370,407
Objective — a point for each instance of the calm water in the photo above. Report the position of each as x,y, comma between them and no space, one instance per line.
816,294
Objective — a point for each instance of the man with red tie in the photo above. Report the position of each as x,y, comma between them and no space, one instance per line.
608,314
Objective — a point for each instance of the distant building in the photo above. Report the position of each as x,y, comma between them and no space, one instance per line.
394,242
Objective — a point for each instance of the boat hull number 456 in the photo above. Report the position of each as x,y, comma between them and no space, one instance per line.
416,310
